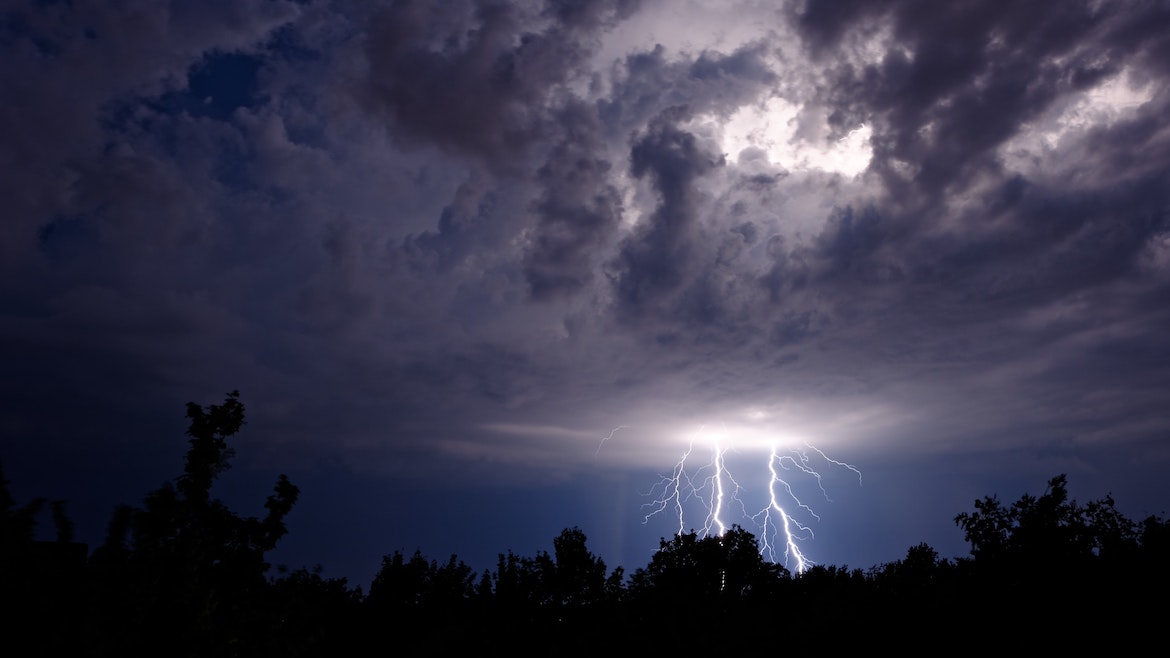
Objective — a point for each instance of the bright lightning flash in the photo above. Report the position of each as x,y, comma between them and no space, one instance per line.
714,489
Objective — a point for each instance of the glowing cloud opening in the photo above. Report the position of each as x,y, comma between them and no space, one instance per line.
771,127
1065,124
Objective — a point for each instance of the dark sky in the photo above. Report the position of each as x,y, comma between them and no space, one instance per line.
444,249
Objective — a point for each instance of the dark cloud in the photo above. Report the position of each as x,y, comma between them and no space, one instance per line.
960,80
822,24
476,77
658,259
592,14
953,86
98,56
459,224
579,209
849,243
710,82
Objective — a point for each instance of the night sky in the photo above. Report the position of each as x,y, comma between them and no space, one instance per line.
482,271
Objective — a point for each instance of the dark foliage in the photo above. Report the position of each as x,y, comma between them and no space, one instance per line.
183,574
41,582
1078,556
725,571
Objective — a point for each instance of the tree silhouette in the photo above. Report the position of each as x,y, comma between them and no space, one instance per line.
41,582
1050,532
579,577
17,523
182,573
1052,549
714,569
403,587
310,615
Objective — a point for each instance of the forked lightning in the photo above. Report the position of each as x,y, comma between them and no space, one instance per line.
712,487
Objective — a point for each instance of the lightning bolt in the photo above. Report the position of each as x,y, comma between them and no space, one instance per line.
676,489
606,438
835,463
788,526
713,487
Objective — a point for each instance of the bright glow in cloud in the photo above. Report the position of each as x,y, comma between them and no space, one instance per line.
771,127
1105,104
1101,106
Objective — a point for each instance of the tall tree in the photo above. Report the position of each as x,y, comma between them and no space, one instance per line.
184,571
579,577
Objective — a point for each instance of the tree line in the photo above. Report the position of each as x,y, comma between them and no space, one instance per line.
183,575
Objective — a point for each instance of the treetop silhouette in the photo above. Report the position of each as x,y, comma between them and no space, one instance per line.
185,563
